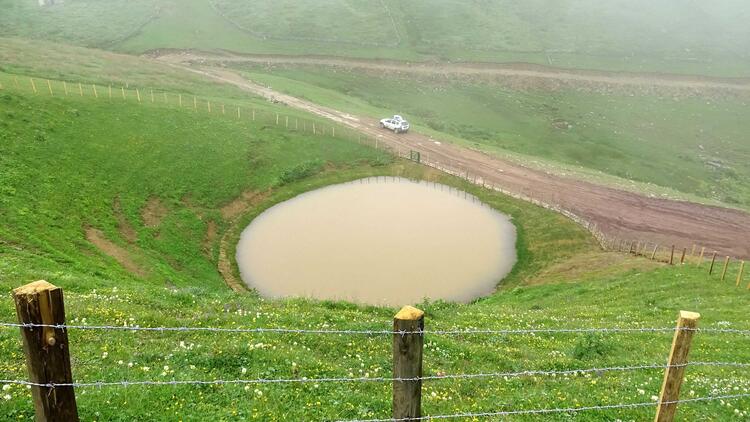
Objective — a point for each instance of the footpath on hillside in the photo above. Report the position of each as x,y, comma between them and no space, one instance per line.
523,74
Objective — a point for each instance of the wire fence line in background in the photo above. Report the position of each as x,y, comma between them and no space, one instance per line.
555,410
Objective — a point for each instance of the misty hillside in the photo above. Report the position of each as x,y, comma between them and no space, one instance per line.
711,37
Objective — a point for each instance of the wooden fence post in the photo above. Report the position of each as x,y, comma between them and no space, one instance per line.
80,89
713,261
96,94
682,258
675,371
223,110
33,85
209,105
47,350
739,274
407,363
65,88
49,86
238,113
122,90
195,103
724,271
653,254
700,258
179,99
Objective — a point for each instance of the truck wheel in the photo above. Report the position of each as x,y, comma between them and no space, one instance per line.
397,130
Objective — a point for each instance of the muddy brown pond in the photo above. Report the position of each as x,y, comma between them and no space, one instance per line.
381,241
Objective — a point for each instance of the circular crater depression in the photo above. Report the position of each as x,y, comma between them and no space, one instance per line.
381,241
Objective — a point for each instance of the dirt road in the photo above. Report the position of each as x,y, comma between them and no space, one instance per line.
616,212
516,73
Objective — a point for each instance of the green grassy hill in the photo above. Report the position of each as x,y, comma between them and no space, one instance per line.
668,36
693,144
114,201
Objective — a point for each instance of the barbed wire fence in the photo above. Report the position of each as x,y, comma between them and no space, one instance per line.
671,254
40,311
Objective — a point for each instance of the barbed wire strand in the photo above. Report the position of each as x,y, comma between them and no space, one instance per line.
334,331
377,379
348,379
556,410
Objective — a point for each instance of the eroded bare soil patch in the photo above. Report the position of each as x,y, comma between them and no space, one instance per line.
123,225
119,254
154,212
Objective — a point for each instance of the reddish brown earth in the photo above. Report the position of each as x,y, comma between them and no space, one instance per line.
617,213
118,253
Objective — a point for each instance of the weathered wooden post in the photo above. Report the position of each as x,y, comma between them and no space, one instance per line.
408,342
713,261
96,94
33,85
80,89
675,371
179,99
47,351
724,271
49,86
208,103
700,258
65,88
653,254
682,258
122,90
739,274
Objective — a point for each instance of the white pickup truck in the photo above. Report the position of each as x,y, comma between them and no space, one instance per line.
395,123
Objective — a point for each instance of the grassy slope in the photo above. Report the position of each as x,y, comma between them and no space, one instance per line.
667,36
692,145
65,160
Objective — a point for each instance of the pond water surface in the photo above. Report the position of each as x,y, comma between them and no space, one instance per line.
381,241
